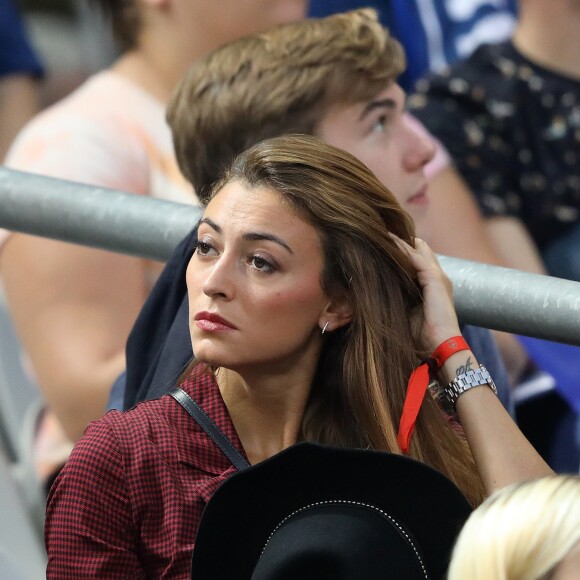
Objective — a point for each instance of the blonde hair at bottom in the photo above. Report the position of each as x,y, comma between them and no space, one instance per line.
522,532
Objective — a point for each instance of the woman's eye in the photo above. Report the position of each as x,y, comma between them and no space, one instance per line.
261,264
203,248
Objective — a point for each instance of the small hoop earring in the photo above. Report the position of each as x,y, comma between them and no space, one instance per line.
325,327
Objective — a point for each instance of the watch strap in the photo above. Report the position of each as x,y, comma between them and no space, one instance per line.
465,381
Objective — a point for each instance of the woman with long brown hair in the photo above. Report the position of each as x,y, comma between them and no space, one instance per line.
311,308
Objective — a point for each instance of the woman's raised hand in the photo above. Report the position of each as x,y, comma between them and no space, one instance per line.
440,319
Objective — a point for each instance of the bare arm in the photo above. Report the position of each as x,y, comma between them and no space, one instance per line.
18,103
516,249
513,244
73,308
501,452
456,227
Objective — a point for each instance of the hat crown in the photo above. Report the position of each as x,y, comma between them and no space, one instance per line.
340,540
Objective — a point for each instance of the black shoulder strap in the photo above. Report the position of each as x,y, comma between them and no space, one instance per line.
214,432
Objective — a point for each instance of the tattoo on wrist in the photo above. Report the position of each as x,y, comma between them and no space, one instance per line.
464,368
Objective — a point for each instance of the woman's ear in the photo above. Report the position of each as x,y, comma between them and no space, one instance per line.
337,313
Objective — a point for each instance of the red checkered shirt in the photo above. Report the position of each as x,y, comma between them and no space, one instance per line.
129,501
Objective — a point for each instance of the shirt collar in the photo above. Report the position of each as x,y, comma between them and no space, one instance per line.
194,446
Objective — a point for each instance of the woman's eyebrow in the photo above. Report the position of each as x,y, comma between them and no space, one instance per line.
211,224
265,236
251,236
388,104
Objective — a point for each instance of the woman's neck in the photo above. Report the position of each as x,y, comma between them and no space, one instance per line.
266,409
547,34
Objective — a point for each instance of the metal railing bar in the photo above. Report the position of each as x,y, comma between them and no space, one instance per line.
485,295
93,216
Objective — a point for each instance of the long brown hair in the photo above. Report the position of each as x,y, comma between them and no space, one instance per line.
359,388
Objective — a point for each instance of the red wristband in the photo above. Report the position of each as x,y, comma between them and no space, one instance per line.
417,386
447,348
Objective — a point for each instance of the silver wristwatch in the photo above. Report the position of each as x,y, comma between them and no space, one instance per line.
466,381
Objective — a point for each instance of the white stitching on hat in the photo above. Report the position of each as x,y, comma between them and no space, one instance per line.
359,504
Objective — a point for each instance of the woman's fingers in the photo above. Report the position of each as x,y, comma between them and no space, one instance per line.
440,319
425,261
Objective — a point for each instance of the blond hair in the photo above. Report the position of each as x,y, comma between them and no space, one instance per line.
521,532
358,391
278,82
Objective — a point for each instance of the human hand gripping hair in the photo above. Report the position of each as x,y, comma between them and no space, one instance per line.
501,452
439,321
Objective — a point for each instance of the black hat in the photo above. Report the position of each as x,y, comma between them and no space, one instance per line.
315,511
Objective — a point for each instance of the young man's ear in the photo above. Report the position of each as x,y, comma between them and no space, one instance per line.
338,312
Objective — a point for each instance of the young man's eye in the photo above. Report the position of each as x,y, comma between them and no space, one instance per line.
261,264
380,124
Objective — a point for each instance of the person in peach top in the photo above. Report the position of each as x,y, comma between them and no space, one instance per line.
73,306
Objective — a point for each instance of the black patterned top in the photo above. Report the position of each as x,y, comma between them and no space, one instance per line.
513,129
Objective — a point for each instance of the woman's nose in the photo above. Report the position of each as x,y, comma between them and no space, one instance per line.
219,280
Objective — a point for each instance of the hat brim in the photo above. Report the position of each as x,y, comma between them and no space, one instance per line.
248,507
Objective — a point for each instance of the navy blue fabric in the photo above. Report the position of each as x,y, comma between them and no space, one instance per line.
16,52
455,27
159,346
562,256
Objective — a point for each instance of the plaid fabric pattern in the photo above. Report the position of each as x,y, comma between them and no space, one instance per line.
129,501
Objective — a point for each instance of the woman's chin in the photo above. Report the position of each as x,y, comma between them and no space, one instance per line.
207,350
209,359
212,357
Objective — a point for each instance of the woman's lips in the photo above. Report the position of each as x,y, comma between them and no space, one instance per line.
212,322
420,198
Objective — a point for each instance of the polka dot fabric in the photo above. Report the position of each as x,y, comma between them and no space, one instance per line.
513,130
